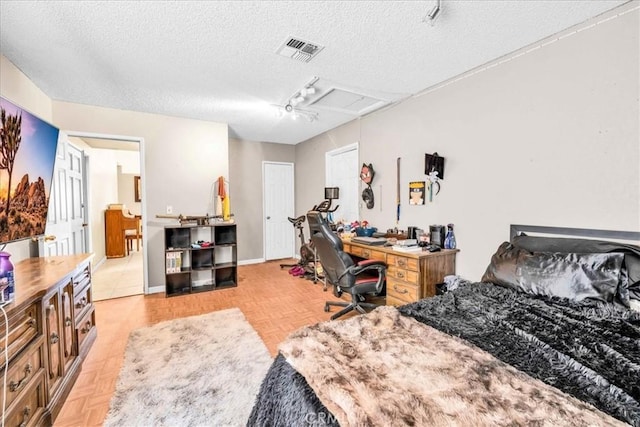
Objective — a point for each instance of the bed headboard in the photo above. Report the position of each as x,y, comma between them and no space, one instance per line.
517,229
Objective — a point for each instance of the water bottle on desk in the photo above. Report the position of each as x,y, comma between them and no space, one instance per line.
450,238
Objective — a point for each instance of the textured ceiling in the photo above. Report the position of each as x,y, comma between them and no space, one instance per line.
217,61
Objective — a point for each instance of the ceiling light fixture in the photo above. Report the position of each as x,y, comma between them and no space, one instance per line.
294,113
301,95
433,13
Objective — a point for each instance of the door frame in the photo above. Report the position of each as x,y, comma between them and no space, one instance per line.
143,203
264,214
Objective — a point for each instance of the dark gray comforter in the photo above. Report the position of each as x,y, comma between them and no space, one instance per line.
588,350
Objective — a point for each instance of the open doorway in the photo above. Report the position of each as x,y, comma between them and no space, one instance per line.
115,178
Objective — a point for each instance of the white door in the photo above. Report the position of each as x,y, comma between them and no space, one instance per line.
278,196
66,217
343,171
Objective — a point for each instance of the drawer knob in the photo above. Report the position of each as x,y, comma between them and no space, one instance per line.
25,420
400,275
31,322
400,291
54,338
15,386
82,303
67,321
86,328
401,263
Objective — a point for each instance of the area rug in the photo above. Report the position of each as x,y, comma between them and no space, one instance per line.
196,371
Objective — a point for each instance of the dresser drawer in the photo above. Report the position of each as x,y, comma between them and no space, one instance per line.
82,278
23,328
29,408
403,262
24,369
84,326
409,276
401,290
82,302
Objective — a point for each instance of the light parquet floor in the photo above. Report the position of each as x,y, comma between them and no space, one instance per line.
274,302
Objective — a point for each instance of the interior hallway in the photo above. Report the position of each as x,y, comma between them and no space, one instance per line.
119,277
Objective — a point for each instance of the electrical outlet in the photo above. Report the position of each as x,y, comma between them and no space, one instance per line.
169,210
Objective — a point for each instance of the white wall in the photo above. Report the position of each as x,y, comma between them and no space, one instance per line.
550,137
182,159
129,161
103,190
245,167
126,192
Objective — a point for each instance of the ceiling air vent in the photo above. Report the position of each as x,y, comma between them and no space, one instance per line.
296,48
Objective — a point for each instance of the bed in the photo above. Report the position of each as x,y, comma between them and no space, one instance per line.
549,336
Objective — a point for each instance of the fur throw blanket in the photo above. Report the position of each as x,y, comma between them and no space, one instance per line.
365,371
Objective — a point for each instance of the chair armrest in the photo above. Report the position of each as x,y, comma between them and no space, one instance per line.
369,264
366,262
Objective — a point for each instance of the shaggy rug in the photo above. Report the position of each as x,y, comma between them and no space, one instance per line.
196,371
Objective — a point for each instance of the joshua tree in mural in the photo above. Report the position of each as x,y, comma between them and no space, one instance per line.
10,137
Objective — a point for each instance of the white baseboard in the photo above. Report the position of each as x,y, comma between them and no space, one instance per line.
155,289
251,261
96,265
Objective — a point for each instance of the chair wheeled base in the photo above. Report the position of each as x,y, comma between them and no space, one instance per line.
349,306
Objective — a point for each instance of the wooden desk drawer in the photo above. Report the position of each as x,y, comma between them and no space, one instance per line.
23,328
356,250
394,301
402,274
374,254
82,302
367,253
84,326
403,262
29,408
21,371
401,290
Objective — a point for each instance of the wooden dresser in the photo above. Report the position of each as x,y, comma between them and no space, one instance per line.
410,275
51,329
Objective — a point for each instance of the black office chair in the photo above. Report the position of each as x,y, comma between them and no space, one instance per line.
341,271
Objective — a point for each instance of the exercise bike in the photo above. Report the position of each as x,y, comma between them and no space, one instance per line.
325,208
306,251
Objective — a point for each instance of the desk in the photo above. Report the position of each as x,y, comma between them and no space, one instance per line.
410,275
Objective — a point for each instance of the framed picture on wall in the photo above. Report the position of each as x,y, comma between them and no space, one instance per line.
137,189
416,192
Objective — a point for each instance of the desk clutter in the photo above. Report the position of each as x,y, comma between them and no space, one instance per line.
414,239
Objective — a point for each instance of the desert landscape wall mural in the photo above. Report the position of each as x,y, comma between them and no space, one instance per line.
27,157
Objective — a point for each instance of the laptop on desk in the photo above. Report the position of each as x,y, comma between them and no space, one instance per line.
372,241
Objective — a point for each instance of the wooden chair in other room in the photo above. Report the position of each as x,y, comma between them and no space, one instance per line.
134,234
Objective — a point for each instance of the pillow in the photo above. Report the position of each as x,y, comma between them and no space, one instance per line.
569,275
565,245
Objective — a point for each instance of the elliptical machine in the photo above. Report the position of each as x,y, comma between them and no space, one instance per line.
302,267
